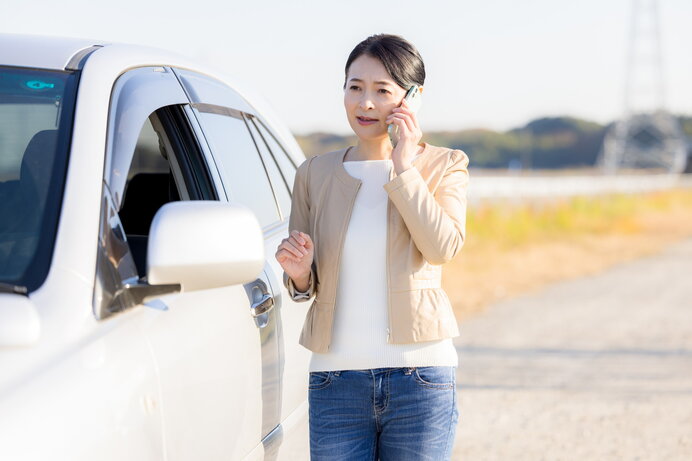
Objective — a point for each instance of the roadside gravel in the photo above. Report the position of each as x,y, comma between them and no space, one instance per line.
597,368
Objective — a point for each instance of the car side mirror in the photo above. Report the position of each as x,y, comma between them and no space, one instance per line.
204,244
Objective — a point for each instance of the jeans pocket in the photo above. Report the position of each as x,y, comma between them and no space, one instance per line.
319,380
435,377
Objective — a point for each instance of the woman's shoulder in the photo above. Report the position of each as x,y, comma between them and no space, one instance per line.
331,158
320,165
444,156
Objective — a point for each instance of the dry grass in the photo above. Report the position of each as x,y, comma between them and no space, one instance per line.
516,249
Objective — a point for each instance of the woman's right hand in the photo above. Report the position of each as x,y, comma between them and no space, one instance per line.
295,254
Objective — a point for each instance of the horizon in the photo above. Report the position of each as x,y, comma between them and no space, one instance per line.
481,128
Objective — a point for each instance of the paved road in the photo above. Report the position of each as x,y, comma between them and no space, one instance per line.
598,368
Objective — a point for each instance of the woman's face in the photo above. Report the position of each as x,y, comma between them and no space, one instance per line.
369,97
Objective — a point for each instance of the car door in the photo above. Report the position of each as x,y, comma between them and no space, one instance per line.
208,346
253,175
294,358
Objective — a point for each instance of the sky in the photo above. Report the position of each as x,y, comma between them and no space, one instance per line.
494,64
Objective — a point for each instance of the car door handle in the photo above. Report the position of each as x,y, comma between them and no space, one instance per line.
262,306
261,301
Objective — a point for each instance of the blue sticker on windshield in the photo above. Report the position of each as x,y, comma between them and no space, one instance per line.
39,85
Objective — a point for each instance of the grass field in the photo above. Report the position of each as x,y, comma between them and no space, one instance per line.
511,249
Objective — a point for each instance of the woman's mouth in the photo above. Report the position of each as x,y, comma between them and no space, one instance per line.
366,120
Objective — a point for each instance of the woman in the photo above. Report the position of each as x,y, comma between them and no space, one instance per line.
370,227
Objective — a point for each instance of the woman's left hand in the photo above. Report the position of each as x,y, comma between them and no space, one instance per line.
410,135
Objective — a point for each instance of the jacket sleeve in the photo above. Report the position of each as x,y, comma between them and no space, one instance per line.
300,220
437,223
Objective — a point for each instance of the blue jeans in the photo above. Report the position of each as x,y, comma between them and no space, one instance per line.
391,414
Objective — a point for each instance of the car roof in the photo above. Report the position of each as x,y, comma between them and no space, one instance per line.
67,53
42,51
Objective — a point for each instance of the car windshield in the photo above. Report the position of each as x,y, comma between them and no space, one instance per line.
36,108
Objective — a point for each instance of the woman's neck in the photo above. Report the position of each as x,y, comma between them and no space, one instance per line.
371,149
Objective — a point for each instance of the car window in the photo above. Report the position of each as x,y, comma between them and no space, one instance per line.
161,172
288,168
36,109
241,168
167,165
281,190
135,96
150,156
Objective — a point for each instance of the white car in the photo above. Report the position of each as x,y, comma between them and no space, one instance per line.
142,311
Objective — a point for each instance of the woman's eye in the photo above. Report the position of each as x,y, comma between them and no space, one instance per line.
384,91
354,87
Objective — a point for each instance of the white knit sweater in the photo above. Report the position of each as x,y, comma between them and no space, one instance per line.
359,338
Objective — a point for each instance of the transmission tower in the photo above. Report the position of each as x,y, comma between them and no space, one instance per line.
647,136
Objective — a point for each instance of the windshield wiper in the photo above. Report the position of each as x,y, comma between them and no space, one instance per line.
9,288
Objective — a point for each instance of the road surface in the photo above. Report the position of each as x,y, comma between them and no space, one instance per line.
598,368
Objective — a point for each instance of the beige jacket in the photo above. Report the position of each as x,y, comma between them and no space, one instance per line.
425,228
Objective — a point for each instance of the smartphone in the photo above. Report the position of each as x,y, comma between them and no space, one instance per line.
413,98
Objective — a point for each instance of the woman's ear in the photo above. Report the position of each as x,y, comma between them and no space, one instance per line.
420,89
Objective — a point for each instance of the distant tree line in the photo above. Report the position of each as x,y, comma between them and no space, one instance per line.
545,143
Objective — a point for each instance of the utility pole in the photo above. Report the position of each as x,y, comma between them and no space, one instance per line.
647,135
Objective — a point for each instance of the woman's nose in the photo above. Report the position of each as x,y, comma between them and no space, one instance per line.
366,103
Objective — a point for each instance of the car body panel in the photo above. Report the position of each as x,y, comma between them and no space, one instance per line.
119,388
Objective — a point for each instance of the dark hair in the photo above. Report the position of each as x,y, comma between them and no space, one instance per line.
398,56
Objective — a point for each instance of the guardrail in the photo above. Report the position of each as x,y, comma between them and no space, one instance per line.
486,187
